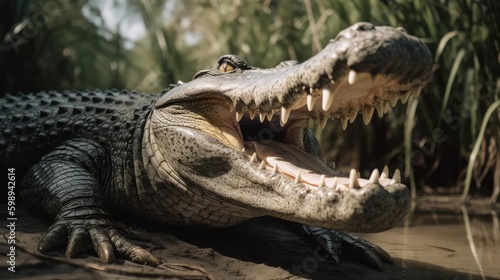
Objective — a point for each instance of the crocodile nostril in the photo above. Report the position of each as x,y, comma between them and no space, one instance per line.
363,26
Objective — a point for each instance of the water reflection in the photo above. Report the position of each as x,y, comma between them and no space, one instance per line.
454,237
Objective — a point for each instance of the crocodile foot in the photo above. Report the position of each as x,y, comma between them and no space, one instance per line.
65,183
82,233
338,243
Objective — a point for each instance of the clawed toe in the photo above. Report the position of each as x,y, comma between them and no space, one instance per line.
133,252
344,244
82,234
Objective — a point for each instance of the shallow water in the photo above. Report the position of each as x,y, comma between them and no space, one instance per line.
456,239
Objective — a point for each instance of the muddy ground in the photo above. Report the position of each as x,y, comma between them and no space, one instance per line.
259,249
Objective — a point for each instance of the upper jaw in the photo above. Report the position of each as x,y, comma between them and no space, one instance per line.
374,63
364,63
344,99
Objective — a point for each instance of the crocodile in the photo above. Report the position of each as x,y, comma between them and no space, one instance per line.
230,145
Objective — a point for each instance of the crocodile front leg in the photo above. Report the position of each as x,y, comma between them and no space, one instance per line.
65,184
338,243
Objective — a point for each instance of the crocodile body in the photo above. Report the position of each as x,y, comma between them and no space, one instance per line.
230,145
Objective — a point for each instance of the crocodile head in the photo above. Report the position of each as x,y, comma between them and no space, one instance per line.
234,142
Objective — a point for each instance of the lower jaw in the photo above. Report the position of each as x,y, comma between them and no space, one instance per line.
297,165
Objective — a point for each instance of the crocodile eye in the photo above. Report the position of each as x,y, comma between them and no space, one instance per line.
226,67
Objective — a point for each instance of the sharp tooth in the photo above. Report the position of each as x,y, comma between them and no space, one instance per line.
334,183
353,179
323,122
262,165
379,105
367,114
270,115
298,178
386,107
231,107
416,91
396,177
252,114
285,113
343,122
327,98
385,172
254,158
239,115
374,177
311,100
275,168
394,99
322,182
262,117
374,78
352,116
352,77
404,96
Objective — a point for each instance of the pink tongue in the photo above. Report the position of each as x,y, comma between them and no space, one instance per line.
291,160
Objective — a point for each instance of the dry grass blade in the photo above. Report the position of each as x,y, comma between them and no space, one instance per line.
475,150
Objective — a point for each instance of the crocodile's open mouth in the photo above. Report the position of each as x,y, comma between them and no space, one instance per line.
266,112
277,140
247,128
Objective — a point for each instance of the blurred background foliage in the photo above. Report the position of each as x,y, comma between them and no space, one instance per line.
146,45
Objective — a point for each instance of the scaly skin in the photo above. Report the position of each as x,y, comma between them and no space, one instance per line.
230,145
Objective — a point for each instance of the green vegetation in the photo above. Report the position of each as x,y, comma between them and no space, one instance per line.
62,44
